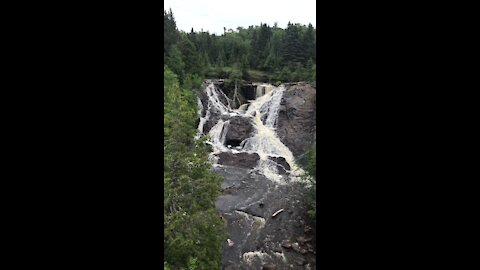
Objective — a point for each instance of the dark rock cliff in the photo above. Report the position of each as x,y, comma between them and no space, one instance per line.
296,126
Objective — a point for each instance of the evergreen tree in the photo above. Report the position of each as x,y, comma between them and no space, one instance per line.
170,32
292,50
221,59
256,48
193,230
309,42
174,61
190,57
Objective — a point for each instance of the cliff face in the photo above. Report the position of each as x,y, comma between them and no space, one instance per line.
296,126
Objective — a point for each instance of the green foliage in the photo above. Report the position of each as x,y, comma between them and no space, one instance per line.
309,161
192,81
193,230
190,56
192,264
236,73
175,62
274,53
170,32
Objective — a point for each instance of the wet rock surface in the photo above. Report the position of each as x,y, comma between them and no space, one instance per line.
213,120
245,160
269,266
212,113
260,239
296,126
202,95
282,164
240,128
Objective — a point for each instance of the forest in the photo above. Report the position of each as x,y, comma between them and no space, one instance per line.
257,53
193,231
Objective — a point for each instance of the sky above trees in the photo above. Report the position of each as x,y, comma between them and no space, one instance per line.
214,15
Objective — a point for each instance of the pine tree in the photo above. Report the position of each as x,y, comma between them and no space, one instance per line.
190,57
170,32
174,61
193,231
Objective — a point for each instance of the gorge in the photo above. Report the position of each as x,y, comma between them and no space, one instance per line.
256,145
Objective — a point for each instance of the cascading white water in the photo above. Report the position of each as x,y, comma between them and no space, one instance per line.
202,119
263,89
217,136
264,142
242,108
214,100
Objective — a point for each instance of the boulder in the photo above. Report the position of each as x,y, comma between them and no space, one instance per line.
240,128
286,244
301,239
296,247
269,266
245,160
215,115
282,166
301,261
230,267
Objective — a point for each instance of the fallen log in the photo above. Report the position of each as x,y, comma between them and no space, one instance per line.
278,212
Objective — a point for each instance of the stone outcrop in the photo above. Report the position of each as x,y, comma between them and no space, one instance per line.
282,166
239,129
215,115
245,160
296,126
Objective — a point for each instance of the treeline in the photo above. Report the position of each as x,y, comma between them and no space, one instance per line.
256,53
193,231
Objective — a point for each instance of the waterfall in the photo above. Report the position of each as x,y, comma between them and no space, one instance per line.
263,89
264,141
253,194
214,99
217,136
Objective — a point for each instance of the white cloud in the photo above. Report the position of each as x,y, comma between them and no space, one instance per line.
213,15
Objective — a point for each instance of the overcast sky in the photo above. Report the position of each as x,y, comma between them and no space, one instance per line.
213,15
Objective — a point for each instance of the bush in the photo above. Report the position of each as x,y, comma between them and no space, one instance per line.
193,232
309,162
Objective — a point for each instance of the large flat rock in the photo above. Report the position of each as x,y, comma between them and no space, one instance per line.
243,160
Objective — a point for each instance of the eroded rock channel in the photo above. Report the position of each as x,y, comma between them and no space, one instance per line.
262,201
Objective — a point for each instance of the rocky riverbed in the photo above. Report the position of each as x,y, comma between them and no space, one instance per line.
257,239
